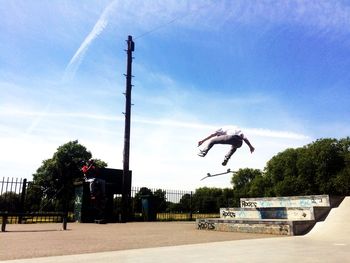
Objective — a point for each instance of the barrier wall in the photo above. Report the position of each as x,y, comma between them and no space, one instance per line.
288,201
291,215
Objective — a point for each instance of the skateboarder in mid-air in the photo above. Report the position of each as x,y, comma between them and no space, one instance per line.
232,137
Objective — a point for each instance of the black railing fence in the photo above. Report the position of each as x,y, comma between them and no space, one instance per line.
12,194
174,204
20,195
164,204
13,202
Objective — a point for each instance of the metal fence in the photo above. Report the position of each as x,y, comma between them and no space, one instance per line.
13,193
166,205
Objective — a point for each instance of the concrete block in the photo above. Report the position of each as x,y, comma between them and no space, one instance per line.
263,226
291,213
289,201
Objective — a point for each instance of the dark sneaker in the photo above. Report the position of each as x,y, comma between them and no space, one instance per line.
224,162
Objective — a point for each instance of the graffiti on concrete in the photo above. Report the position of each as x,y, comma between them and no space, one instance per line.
227,213
301,201
249,204
206,225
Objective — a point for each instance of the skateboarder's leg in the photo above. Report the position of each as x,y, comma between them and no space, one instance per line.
223,139
206,149
229,154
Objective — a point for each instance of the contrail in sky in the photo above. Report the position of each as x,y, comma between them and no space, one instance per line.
98,28
160,122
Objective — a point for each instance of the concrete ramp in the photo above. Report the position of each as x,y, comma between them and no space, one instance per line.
290,215
336,226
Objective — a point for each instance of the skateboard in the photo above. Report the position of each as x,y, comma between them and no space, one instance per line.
212,175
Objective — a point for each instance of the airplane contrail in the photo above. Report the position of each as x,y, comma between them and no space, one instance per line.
159,122
98,28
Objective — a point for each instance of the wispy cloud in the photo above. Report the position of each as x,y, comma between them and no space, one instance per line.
323,16
165,122
210,128
276,134
80,115
98,28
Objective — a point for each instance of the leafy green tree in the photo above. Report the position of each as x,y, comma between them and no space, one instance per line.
55,176
328,160
260,186
342,179
283,173
160,200
34,200
306,168
185,203
242,181
227,198
321,167
207,200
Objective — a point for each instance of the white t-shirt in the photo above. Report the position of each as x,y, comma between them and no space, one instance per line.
228,131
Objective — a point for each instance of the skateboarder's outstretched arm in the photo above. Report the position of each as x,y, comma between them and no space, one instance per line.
249,144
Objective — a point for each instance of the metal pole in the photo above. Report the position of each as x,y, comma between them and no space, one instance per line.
23,196
126,156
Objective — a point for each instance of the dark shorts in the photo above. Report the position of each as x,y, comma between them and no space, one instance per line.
237,141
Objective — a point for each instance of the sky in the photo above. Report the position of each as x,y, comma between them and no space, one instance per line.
278,70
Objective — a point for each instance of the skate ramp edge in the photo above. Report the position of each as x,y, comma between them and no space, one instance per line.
336,225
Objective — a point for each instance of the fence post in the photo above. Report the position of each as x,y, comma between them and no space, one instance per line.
23,198
3,224
191,206
64,221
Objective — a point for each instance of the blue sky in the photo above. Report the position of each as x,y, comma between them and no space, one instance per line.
276,69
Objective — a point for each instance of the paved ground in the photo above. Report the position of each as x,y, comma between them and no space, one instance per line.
329,241
40,240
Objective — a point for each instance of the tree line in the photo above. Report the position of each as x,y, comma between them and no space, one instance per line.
321,167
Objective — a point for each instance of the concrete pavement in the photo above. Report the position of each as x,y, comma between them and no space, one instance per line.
329,241
290,249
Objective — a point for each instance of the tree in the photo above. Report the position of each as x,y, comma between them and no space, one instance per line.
283,173
342,179
55,176
10,201
160,200
185,203
34,198
260,186
321,167
207,200
243,180
328,161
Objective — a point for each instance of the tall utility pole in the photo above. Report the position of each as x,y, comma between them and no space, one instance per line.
126,172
